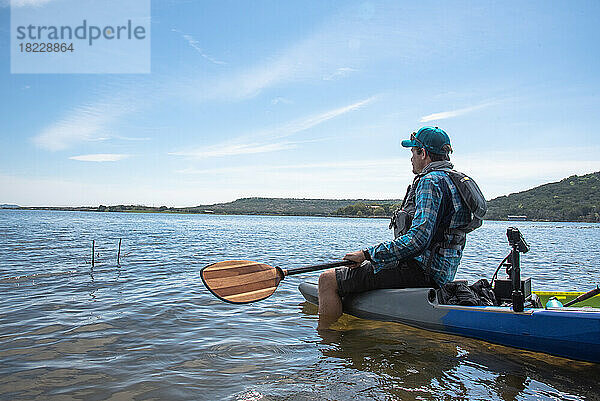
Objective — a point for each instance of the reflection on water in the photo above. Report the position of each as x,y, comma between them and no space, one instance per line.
148,329
417,364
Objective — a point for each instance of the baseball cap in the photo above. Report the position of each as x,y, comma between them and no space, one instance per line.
431,138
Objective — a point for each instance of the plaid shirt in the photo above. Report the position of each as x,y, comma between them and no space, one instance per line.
433,189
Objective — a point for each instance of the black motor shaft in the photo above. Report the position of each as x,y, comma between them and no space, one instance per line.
518,244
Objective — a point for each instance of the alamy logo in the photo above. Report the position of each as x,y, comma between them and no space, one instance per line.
80,36
84,31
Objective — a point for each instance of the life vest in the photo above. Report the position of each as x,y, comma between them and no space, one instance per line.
444,237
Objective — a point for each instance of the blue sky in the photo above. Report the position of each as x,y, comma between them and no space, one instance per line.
309,99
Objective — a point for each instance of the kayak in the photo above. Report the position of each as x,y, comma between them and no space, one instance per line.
567,332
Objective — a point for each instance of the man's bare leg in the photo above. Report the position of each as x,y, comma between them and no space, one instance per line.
330,303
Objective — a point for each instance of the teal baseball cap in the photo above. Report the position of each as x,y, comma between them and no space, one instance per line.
431,138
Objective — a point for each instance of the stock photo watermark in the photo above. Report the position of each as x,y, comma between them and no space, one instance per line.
80,36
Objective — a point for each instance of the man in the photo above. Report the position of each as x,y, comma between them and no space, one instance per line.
427,252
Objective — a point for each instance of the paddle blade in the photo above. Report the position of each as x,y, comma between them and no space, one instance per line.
241,281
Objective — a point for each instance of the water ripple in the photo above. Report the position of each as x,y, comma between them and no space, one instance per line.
147,328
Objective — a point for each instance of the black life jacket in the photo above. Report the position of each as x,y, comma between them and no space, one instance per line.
444,237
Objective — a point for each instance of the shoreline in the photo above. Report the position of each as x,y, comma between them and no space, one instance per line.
95,210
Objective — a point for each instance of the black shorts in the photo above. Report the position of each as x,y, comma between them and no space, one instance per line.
403,274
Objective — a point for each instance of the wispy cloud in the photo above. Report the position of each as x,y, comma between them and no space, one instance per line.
196,46
328,179
100,157
243,84
311,121
84,123
281,100
325,54
101,119
454,113
339,73
223,150
131,138
316,56
361,166
324,50
262,142
307,59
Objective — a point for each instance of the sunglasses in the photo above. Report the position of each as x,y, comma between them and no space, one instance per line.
414,139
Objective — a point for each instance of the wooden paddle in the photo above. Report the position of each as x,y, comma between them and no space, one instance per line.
243,281
585,296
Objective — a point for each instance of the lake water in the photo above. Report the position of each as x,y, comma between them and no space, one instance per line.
148,329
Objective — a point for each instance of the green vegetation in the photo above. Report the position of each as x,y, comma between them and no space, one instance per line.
576,198
291,206
260,206
362,209
130,208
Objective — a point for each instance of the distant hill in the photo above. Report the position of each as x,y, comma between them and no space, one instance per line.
259,206
8,206
576,198
284,206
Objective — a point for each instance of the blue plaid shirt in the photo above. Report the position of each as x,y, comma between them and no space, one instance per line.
416,242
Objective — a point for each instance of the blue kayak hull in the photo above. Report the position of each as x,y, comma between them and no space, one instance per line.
567,332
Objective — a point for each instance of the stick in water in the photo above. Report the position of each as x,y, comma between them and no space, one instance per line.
119,253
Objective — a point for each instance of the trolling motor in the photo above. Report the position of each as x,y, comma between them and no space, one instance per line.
514,290
518,244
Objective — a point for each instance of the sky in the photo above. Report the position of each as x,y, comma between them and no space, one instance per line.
309,99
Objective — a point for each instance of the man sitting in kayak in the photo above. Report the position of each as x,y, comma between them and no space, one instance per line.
427,252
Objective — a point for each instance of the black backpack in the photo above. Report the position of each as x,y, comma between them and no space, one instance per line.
469,192
471,195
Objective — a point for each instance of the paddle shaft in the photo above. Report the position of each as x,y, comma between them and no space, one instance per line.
306,269
585,296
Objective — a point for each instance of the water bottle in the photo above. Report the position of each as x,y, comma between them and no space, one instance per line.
553,303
